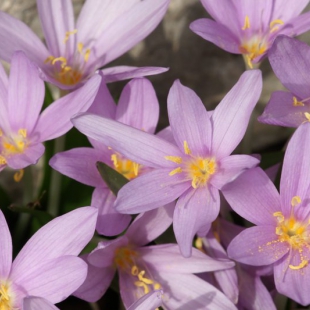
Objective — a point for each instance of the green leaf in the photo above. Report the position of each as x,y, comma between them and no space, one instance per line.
112,178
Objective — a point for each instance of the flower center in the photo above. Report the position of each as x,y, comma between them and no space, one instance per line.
126,260
5,297
256,43
126,167
293,232
69,70
197,169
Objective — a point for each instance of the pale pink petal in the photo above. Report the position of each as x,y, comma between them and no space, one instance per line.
109,222
149,225
189,120
55,120
149,191
152,300
80,165
96,283
230,118
257,246
121,73
37,303
25,93
253,196
74,230
56,19
194,209
6,248
138,106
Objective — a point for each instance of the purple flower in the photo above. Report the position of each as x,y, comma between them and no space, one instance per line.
46,270
249,27
22,127
241,284
104,31
290,62
137,107
193,170
282,235
145,269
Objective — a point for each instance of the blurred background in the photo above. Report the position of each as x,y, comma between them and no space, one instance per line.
199,64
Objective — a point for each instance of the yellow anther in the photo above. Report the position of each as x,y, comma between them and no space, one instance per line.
80,47
297,103
296,200
134,270
175,159
195,181
279,216
23,132
2,160
145,287
144,280
135,169
63,60
68,34
198,243
175,171
186,148
246,23
86,55
18,175
49,59
307,115
303,264
248,60
114,160
276,22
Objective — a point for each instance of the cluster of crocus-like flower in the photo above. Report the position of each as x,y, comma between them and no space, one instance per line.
185,175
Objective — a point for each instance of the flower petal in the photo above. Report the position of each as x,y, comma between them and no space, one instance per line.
80,165
295,178
216,33
194,209
127,30
120,73
65,235
289,59
189,119
56,19
37,303
25,93
109,222
149,191
257,246
166,258
152,300
231,167
55,120
6,248
150,225
231,116
17,36
96,283
138,146
138,106
53,279
253,196
281,111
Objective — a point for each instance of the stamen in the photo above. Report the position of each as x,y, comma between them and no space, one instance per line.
1,133
80,47
114,160
273,24
303,264
49,59
18,175
23,132
175,171
198,243
307,115
144,280
279,215
134,270
86,55
195,182
2,160
135,169
296,200
246,23
68,34
63,61
145,287
248,60
297,103
175,159
186,148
